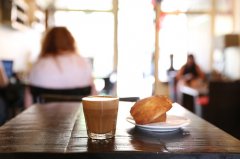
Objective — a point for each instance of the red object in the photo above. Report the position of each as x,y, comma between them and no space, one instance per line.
203,100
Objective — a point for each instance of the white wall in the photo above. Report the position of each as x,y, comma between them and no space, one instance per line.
232,63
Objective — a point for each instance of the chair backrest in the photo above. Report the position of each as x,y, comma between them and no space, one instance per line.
129,99
45,98
109,84
39,93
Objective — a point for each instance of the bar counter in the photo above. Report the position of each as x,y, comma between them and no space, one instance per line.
57,130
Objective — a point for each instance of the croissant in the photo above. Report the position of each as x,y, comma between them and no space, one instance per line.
151,109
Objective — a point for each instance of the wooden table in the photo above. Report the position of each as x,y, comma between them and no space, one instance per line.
57,130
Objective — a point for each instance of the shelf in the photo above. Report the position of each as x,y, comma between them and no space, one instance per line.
22,13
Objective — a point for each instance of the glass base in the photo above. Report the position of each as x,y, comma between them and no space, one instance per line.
95,136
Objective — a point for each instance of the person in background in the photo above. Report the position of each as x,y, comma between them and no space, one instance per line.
189,75
59,65
3,76
190,71
3,84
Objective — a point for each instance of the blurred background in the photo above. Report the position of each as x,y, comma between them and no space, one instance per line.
131,42
133,37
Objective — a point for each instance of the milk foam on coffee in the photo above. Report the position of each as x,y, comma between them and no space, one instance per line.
99,98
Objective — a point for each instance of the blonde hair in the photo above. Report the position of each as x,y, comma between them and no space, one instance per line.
57,40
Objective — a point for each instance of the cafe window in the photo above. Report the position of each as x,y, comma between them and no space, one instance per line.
136,31
97,5
180,34
224,19
185,5
186,26
94,36
92,24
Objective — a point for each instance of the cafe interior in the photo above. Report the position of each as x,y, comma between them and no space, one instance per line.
136,48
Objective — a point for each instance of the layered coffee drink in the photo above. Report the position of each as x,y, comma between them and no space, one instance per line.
101,116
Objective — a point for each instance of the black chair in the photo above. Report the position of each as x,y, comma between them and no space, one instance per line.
46,94
45,98
129,99
109,84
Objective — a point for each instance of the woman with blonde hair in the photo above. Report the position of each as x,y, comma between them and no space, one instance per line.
59,65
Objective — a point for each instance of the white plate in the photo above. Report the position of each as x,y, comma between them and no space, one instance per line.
172,123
